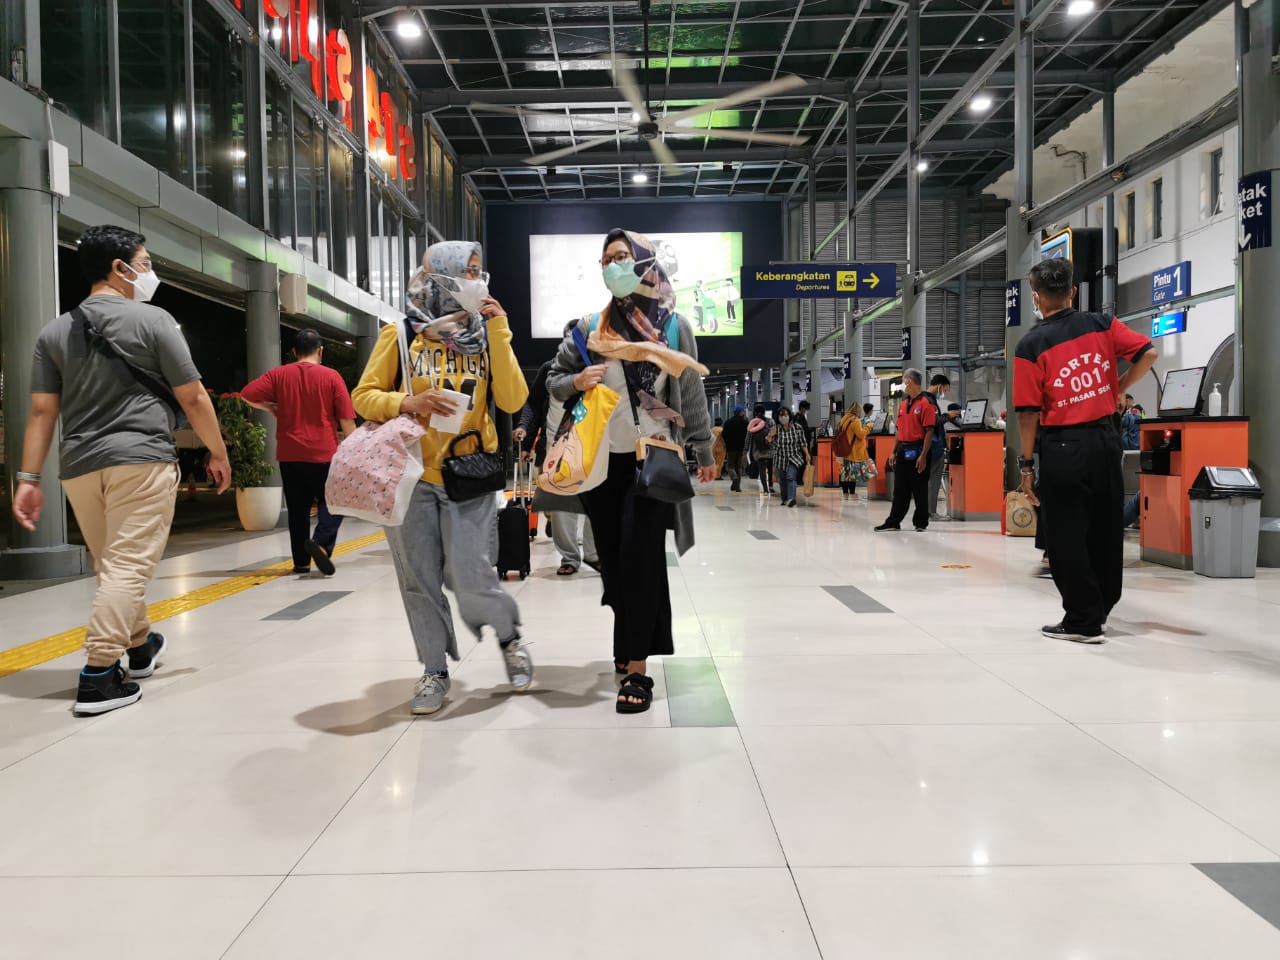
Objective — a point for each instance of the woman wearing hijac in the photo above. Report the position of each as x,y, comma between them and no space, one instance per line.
647,354
463,344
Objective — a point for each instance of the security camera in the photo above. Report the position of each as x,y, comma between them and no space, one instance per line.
1118,174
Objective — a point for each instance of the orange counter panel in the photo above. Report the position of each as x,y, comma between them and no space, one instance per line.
977,483
1165,507
827,468
881,451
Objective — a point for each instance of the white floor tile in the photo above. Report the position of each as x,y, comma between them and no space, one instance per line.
128,918
553,799
677,914
1231,769
178,805
1050,913
975,795
810,691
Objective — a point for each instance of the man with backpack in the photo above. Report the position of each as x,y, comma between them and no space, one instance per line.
760,437
116,371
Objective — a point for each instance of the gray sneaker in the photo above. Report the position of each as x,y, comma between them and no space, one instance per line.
519,664
428,696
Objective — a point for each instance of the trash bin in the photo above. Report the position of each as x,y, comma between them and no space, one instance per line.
1226,508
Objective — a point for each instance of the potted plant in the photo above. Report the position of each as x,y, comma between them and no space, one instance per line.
246,440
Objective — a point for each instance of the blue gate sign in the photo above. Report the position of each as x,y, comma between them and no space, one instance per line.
819,281
1171,283
1254,210
1168,323
1013,303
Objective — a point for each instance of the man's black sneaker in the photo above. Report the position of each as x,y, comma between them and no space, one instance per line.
320,557
104,692
1060,631
144,658
888,526
921,529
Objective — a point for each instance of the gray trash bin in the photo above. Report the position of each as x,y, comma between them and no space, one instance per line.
1226,508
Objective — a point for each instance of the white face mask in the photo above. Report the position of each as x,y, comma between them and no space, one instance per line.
1035,307
144,285
467,292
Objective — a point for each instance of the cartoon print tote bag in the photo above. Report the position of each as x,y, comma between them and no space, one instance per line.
375,471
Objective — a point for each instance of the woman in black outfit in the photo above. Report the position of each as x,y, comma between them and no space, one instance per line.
631,531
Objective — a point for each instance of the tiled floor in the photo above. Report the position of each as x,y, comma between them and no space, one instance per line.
927,778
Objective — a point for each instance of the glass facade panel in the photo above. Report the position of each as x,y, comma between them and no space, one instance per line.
342,198
305,182
74,63
395,254
448,224
222,146
153,98
279,168
376,257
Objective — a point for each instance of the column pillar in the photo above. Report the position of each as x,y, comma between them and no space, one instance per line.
1021,249
29,300
1110,255
262,320
1259,337
913,302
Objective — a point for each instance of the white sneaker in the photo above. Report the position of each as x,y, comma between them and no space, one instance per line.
428,695
519,664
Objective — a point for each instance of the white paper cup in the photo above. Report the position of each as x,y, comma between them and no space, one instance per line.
451,424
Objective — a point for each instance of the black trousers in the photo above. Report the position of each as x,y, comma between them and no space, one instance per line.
1082,504
910,486
766,473
631,539
304,486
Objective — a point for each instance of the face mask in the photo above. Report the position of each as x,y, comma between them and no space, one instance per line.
1035,307
782,421
145,286
621,278
466,292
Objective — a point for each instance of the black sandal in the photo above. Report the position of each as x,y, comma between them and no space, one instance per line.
636,687
620,667
566,570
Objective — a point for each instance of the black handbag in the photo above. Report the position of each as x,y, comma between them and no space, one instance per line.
662,474
472,475
753,470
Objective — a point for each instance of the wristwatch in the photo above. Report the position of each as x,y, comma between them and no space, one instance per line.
1026,464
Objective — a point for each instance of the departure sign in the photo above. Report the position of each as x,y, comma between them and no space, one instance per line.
819,281
1171,283
1168,323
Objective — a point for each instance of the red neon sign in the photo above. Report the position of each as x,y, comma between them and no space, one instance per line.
334,62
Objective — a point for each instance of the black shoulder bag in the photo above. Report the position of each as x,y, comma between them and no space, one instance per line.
662,474
474,475
96,341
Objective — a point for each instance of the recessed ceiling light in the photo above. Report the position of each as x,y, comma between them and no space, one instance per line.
639,177
1078,8
922,166
982,39
980,104
409,28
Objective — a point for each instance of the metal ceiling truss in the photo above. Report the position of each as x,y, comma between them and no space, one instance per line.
851,54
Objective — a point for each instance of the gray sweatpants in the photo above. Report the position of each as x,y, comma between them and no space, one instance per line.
446,544
564,530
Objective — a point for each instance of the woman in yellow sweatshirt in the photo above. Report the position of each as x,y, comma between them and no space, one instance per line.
463,344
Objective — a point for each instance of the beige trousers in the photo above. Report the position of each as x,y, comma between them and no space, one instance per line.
124,513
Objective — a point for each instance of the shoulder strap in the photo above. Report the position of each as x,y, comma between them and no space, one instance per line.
96,341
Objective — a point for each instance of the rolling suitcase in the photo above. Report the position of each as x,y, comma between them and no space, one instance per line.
514,530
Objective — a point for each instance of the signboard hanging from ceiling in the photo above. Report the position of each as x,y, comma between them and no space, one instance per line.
1171,283
819,281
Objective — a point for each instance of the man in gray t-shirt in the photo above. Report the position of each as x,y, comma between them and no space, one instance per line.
115,369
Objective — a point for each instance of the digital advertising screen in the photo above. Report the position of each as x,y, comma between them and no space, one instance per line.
565,280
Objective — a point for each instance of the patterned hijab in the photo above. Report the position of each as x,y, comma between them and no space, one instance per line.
431,308
644,314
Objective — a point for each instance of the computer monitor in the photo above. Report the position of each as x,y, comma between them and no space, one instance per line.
881,422
975,414
1181,394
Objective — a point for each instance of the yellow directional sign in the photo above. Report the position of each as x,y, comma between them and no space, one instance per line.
873,280
818,281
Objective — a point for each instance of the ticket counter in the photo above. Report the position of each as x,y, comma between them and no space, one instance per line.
975,465
826,467
1173,449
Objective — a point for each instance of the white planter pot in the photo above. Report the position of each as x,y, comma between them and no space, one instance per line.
259,507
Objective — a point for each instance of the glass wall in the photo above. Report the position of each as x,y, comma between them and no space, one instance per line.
74,64
221,113
153,84
304,180
279,137
342,198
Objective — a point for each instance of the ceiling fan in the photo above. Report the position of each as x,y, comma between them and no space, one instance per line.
651,129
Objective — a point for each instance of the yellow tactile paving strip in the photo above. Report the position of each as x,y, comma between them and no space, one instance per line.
69,641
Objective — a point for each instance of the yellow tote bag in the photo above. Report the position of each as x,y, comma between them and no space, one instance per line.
578,456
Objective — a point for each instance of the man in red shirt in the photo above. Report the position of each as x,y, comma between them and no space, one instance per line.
910,460
1065,390
310,402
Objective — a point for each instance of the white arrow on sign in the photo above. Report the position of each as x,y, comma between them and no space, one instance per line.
1244,237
